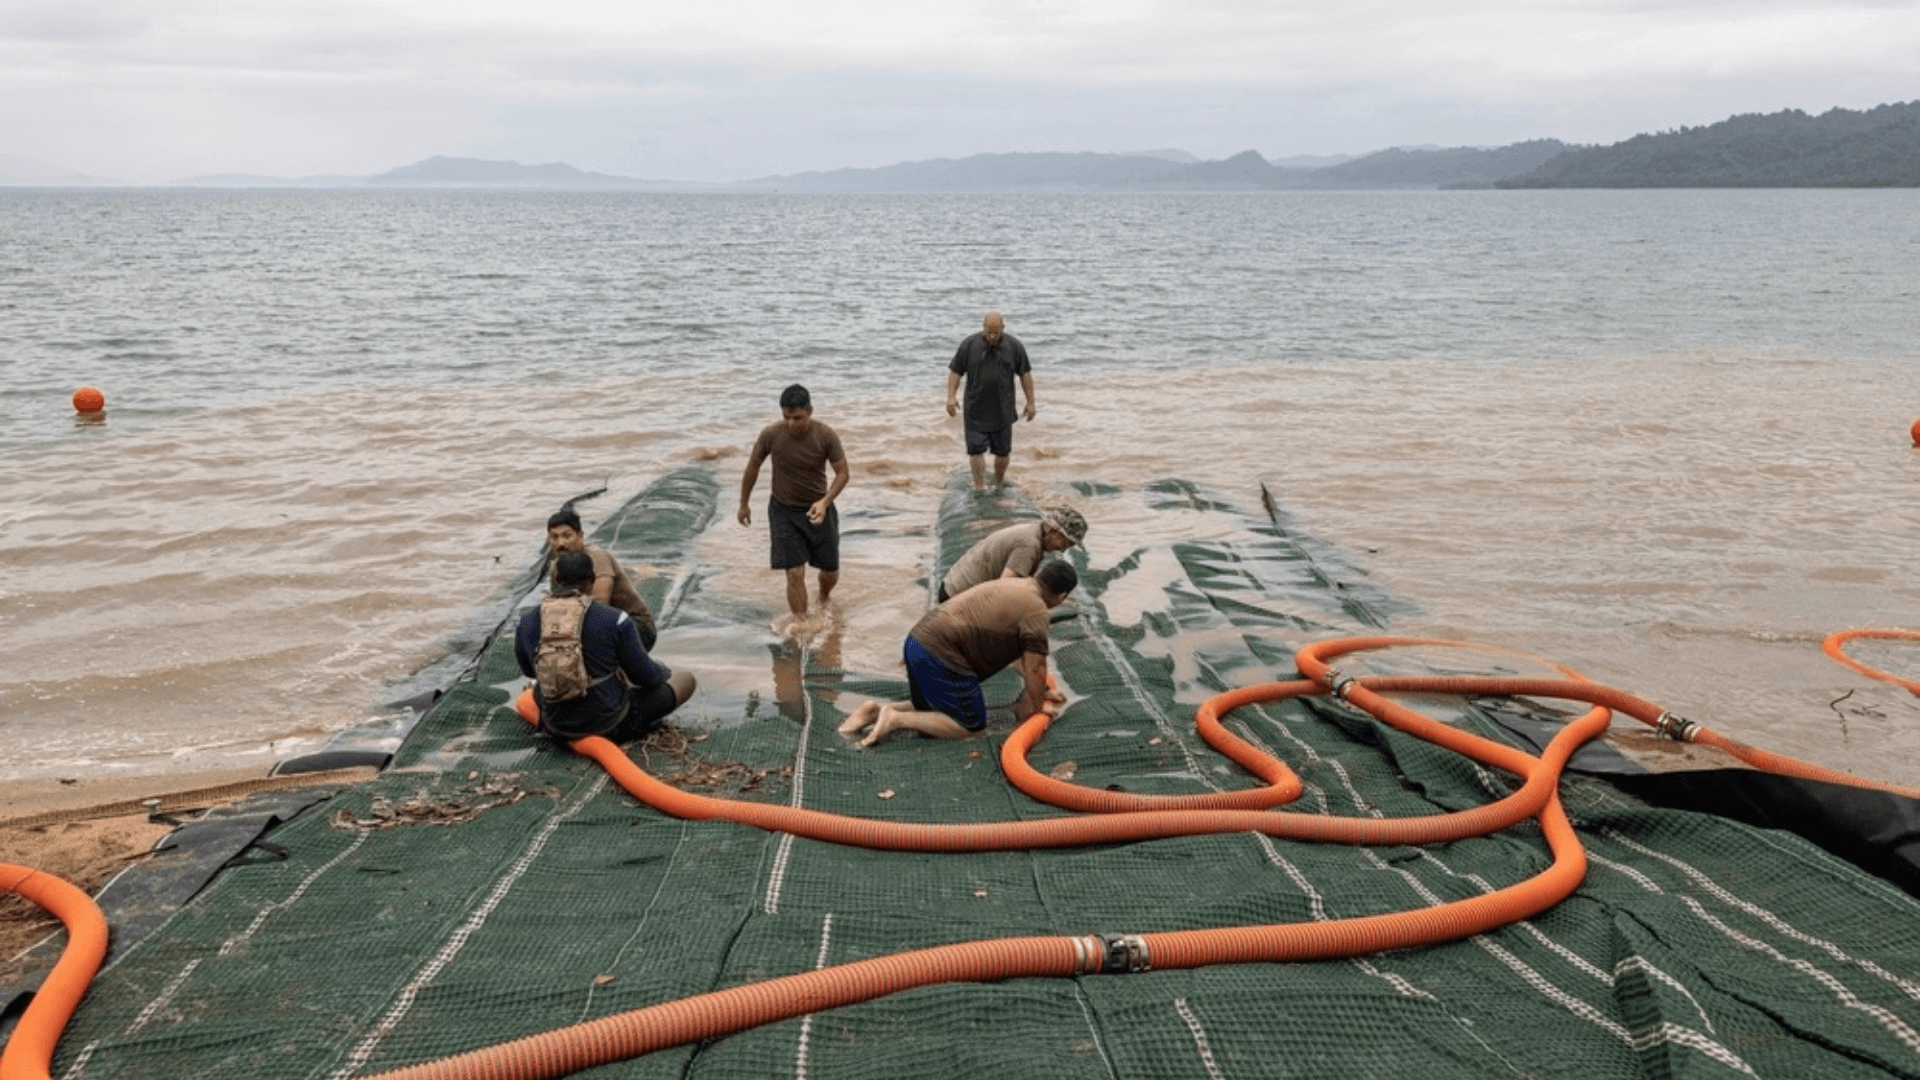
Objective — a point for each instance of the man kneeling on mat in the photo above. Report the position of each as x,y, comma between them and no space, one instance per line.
613,688
967,639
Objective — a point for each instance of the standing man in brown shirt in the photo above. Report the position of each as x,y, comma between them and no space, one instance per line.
804,527
967,639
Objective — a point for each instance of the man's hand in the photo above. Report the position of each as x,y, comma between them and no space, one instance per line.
746,515
953,405
817,513
1031,409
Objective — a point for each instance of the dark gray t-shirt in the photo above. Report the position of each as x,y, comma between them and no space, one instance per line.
990,374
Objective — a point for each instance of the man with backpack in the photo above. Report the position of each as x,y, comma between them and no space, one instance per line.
592,675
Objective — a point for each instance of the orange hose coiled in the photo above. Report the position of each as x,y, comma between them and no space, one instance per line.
29,1052
1116,817
1832,645
1313,662
1282,786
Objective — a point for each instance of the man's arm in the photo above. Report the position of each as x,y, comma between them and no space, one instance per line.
643,671
953,393
1026,384
841,473
524,645
649,632
747,480
1035,695
1024,559
605,570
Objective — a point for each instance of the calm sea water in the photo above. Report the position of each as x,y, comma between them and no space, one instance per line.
1661,437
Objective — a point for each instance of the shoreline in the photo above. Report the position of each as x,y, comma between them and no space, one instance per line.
88,829
85,849
31,798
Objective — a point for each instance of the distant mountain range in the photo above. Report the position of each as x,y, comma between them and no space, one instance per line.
17,171
1839,148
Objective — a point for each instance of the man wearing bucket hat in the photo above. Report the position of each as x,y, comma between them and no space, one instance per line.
1015,551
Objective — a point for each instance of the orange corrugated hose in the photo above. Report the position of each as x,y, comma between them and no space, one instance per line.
1832,645
1313,661
29,1052
1118,817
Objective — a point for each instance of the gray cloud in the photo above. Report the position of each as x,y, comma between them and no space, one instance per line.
730,89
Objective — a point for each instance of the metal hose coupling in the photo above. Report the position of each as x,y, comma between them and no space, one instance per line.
1677,728
1338,682
1126,953
1110,954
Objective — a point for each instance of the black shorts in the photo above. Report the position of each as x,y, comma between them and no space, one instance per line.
799,542
645,710
999,440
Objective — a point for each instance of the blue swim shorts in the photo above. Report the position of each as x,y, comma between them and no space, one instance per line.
937,687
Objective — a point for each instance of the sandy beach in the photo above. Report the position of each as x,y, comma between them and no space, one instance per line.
86,829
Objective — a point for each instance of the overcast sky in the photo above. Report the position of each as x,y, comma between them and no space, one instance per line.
155,90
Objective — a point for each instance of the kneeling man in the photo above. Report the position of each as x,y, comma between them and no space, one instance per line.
616,689
967,639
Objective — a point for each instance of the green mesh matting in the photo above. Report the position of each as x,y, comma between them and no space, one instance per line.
1695,948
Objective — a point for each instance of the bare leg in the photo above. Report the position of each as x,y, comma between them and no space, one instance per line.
999,469
901,717
683,686
828,579
977,465
797,589
862,717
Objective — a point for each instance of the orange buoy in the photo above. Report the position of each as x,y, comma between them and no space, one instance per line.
89,399
528,708
1915,432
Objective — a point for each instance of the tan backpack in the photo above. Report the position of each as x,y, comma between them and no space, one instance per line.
559,665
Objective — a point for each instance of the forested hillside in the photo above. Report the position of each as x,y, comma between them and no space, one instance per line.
1839,148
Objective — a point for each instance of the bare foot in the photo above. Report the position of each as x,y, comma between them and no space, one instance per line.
862,716
883,727
801,628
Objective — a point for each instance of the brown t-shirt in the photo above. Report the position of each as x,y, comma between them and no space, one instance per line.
624,596
1016,549
799,461
987,627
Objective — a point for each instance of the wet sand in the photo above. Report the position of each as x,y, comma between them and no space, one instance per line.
85,849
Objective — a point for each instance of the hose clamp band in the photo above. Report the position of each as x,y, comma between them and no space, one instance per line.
1677,728
1125,953
1338,682
1089,955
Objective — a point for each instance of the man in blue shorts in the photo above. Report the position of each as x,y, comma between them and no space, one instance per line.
804,527
989,362
965,640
